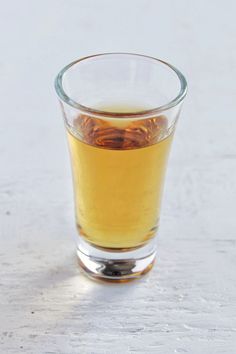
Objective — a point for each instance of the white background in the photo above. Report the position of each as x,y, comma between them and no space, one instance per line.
187,304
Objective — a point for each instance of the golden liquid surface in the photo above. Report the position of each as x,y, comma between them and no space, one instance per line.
118,173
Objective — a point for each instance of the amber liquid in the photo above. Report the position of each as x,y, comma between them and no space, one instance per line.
118,172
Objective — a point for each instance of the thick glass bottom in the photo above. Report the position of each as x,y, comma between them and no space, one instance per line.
116,266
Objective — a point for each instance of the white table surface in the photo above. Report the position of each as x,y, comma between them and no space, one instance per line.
187,304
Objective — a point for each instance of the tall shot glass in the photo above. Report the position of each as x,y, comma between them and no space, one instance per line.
120,112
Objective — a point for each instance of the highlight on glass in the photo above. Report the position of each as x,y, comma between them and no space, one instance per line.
120,112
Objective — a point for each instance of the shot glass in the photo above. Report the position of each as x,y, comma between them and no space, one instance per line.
120,111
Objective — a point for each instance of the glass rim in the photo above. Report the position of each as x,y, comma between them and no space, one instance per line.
100,113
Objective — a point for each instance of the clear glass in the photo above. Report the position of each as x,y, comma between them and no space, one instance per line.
120,113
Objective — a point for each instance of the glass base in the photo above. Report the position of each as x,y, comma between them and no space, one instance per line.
116,266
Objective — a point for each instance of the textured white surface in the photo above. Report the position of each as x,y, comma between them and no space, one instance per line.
187,304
